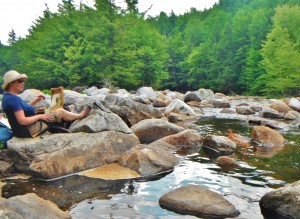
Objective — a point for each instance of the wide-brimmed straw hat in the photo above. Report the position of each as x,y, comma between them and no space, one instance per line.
11,76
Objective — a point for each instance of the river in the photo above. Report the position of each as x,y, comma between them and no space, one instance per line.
259,172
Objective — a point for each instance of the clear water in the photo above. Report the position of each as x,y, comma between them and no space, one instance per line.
243,187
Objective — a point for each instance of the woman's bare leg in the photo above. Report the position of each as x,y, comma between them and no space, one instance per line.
69,116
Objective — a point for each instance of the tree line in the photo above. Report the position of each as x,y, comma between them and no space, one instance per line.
247,47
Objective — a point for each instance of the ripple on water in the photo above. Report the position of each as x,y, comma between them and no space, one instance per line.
143,198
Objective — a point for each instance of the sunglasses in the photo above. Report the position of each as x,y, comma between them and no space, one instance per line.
20,81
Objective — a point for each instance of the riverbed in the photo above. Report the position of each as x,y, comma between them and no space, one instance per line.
259,173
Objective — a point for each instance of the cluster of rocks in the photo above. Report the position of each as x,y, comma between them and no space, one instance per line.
141,131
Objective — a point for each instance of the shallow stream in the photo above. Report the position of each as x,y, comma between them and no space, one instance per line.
260,172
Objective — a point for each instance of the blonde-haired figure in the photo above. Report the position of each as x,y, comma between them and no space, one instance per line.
22,117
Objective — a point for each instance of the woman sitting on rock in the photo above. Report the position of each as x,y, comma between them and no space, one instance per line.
22,117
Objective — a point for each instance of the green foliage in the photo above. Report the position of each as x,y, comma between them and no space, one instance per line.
46,91
121,49
281,53
238,46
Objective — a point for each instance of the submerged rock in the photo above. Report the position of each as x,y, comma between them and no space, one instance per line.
110,171
227,162
66,191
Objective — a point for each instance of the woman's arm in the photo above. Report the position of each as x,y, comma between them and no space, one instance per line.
38,99
23,120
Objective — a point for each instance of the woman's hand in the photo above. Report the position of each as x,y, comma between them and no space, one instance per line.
47,117
40,97
23,120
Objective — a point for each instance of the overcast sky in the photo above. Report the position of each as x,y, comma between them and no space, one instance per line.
20,14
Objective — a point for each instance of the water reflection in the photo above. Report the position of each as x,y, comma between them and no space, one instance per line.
67,191
281,163
143,202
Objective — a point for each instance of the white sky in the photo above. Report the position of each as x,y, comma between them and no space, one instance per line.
20,14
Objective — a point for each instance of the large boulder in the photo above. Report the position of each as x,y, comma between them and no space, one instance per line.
205,94
217,103
191,96
296,123
56,155
244,110
150,130
218,145
147,91
93,91
294,103
198,201
29,95
130,111
266,136
73,97
268,112
280,106
151,159
30,206
123,93
282,203
174,95
158,102
186,138
292,115
220,95
98,121
90,91
142,99
180,107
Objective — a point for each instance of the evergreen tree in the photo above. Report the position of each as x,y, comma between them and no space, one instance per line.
12,37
